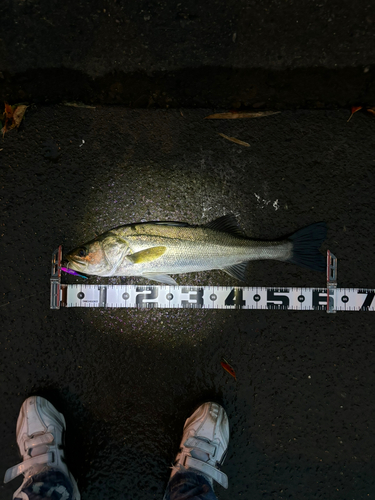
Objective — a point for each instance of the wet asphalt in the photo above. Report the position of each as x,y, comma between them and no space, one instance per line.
302,410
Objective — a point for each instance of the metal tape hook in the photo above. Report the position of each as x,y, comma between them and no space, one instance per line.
331,282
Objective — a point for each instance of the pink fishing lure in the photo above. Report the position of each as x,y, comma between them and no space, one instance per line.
70,271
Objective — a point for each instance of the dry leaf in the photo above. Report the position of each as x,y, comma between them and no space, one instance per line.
237,141
19,114
354,110
13,116
245,114
371,110
8,111
78,105
228,368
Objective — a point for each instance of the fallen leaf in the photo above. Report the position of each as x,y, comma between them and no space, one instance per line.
228,368
8,111
245,114
354,110
13,116
237,141
371,110
78,105
18,114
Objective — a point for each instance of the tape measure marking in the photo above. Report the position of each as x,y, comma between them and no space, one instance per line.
210,297
330,299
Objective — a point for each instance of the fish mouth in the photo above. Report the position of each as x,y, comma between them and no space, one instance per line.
74,264
65,263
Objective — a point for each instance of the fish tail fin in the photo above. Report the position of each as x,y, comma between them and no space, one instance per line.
306,244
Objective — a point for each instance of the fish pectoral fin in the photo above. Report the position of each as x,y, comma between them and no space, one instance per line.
147,255
238,271
161,278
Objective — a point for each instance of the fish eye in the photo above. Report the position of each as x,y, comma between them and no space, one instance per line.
82,252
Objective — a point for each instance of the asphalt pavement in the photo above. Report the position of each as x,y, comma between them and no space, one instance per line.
301,412
151,53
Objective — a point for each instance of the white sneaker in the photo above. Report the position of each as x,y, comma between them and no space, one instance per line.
40,430
204,443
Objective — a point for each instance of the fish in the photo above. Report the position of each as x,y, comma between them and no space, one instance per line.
155,250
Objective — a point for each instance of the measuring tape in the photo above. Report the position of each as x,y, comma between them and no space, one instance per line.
330,299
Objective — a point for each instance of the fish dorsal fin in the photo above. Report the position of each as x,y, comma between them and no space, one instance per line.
227,223
147,255
237,271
